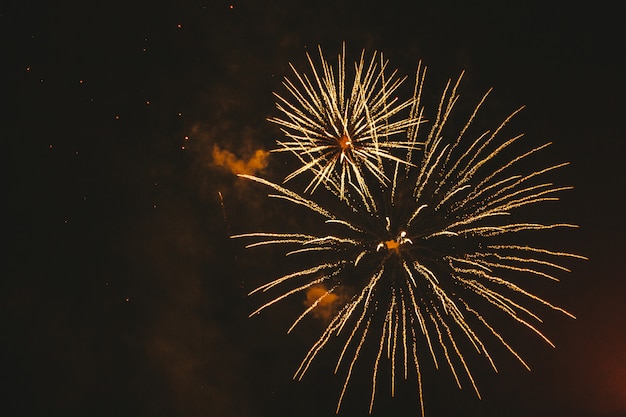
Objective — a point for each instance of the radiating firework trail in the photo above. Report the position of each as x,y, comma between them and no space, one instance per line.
426,258
341,131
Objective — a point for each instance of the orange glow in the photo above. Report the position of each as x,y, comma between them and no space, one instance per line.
391,245
228,160
326,307
344,142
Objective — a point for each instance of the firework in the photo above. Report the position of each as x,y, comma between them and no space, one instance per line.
342,126
426,246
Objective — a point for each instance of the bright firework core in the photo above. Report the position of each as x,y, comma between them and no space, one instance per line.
394,245
345,143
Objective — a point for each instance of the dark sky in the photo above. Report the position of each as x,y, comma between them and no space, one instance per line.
122,294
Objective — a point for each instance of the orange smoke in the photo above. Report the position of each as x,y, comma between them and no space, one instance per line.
228,160
326,307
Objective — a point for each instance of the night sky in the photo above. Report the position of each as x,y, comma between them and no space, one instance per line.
122,293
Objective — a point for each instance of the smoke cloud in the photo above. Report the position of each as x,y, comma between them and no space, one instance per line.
228,160
327,306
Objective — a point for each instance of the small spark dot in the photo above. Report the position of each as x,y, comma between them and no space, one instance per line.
80,81
27,68
117,117
186,137
147,102
182,147
127,299
179,26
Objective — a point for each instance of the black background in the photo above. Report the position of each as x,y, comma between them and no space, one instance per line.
122,294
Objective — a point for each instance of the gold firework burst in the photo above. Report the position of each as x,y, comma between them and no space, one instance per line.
432,253
341,127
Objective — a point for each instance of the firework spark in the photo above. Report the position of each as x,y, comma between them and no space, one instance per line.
428,254
339,134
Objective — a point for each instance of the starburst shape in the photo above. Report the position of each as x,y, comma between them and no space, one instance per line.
343,126
420,262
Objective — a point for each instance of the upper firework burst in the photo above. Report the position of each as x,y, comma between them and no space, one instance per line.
342,133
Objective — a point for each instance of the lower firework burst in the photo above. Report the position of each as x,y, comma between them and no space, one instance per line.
424,264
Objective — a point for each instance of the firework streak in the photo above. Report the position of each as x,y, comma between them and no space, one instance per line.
420,233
